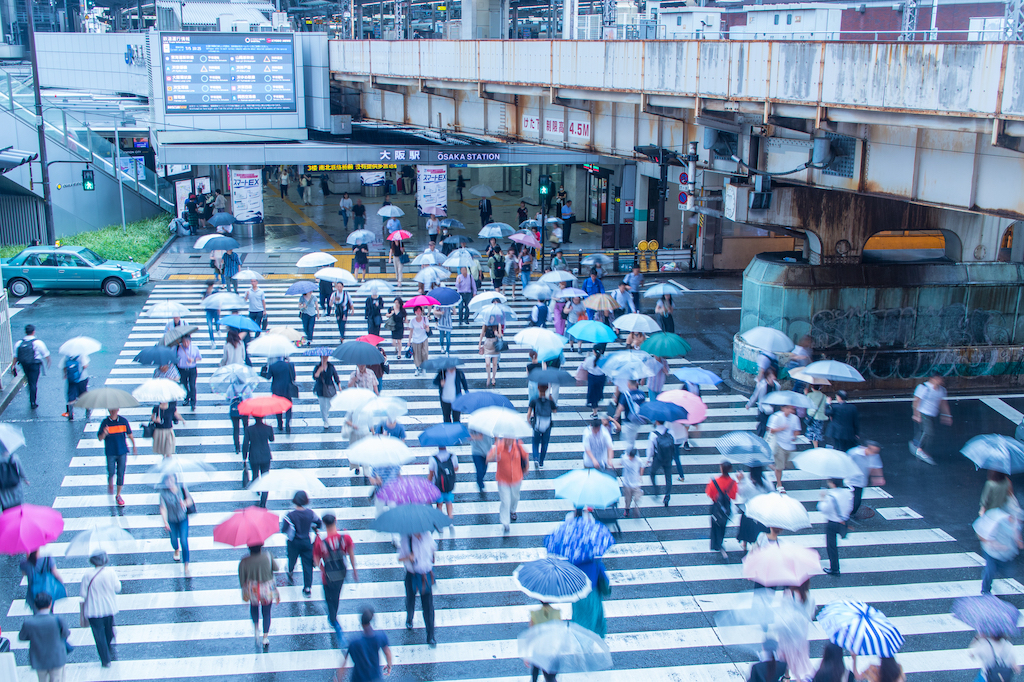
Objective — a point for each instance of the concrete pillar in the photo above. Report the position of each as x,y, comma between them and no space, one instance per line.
1017,243
484,19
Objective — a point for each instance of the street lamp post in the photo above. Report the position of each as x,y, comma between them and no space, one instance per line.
117,169
51,235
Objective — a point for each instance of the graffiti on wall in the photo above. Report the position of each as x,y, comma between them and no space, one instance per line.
899,328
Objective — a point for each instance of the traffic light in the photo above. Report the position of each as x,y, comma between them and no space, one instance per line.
88,182
544,189
544,185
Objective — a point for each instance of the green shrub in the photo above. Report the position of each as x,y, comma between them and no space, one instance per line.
142,239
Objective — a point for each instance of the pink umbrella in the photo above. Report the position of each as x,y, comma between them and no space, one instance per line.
409,490
399,235
247,527
434,210
26,528
526,239
695,408
420,300
781,565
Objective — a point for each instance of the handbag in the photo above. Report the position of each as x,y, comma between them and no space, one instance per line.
389,323
147,429
329,390
403,258
190,504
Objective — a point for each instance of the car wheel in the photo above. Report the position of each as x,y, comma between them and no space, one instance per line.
113,287
19,288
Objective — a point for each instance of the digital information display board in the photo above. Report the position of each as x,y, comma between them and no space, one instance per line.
213,73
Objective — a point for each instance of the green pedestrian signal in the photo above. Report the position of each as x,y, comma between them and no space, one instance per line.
544,189
88,182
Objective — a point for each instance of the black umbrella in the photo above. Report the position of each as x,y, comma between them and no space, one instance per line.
552,376
439,363
358,353
409,519
458,239
156,356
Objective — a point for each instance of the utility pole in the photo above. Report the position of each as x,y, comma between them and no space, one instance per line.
51,235
117,169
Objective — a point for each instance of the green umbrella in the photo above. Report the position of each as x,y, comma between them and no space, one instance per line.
666,345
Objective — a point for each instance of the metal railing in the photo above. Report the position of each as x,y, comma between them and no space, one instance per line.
888,35
16,98
6,340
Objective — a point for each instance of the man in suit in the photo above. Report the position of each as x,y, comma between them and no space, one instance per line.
484,205
256,449
282,383
844,426
451,383
45,634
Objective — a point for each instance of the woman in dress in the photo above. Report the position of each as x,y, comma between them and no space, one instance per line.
663,309
419,331
164,417
589,611
325,386
490,335
397,316
558,311
256,578
574,312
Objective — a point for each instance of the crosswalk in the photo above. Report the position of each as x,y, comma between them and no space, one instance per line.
667,586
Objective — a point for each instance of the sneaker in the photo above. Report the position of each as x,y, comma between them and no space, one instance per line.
177,555
515,516
306,592
408,625
924,456
119,500
432,643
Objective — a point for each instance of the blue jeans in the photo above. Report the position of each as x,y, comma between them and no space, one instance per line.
993,567
540,445
179,531
445,336
341,327
524,277
344,218
212,320
308,324
332,596
481,469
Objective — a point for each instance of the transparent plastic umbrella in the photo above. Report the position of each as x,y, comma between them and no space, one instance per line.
287,479
224,301
663,289
500,422
995,453
352,399
778,511
167,309
377,451
360,237
429,258
159,391
481,190
495,313
783,398
833,370
459,260
564,647
556,276
597,259
570,292
537,291
637,322
826,463
496,230
374,287
336,275
80,345
480,300
744,447
390,211
106,538
11,437
380,409
244,275
272,346
184,469
233,374
431,274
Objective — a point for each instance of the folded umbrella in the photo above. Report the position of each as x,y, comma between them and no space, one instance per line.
247,527
222,219
410,519
552,580
374,287
247,274
859,628
564,647
444,296
360,237
637,322
525,239
697,375
376,451
496,230
592,331
224,377
358,353
588,488
288,480
664,289
781,565
390,211
264,406
315,260
80,345
174,336
570,292
420,301
444,435
791,398
159,391
104,398
272,346
12,438
242,323
988,614
551,377
744,447
470,402
429,258
826,463
224,301
399,235
499,422
665,345
995,452
27,527
409,490
441,363
659,411
300,288
768,339
833,370
100,538
602,302
336,275
778,511
579,539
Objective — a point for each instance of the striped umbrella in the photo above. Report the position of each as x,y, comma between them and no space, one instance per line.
989,615
552,580
859,628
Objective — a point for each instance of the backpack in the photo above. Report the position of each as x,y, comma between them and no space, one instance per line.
773,363
73,369
9,477
334,569
721,508
542,315
542,414
665,447
499,268
27,352
445,475
998,671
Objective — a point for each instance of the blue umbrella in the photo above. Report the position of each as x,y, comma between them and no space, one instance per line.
468,403
588,488
552,580
989,615
157,355
318,352
300,288
221,219
579,539
220,243
444,435
240,322
860,628
592,331
995,453
697,375
444,295
659,411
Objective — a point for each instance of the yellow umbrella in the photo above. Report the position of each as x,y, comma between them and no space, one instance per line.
602,302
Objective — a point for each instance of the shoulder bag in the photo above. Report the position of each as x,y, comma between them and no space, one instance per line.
83,621
721,508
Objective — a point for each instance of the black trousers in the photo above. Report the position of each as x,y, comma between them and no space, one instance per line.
254,613
666,470
450,416
464,307
418,582
103,632
535,672
260,468
833,529
32,370
567,230
235,421
762,423
858,493
258,319
717,535
301,550
285,419
188,382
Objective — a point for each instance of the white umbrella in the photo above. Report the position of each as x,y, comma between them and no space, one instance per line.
352,399
107,538
480,300
834,370
336,275
429,258
272,346
380,409
499,422
80,345
534,336
636,322
374,286
11,437
556,276
630,364
378,451
431,273
459,260
224,301
778,511
768,339
559,646
292,335
569,292
826,463
537,291
495,313
798,374
390,211
482,191
315,260
286,479
792,398
360,237
184,469
248,274
159,391
167,309
663,289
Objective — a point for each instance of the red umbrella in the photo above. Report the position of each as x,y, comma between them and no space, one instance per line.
399,235
421,300
696,410
26,528
527,239
247,527
264,406
371,339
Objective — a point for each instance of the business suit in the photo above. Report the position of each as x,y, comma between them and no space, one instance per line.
282,383
47,653
461,386
256,449
844,425
485,211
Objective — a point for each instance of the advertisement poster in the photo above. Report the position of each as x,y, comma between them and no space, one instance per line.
431,188
182,188
247,195
133,168
203,185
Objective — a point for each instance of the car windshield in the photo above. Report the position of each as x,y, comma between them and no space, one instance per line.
90,257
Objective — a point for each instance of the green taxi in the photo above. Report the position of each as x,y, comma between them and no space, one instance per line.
69,267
